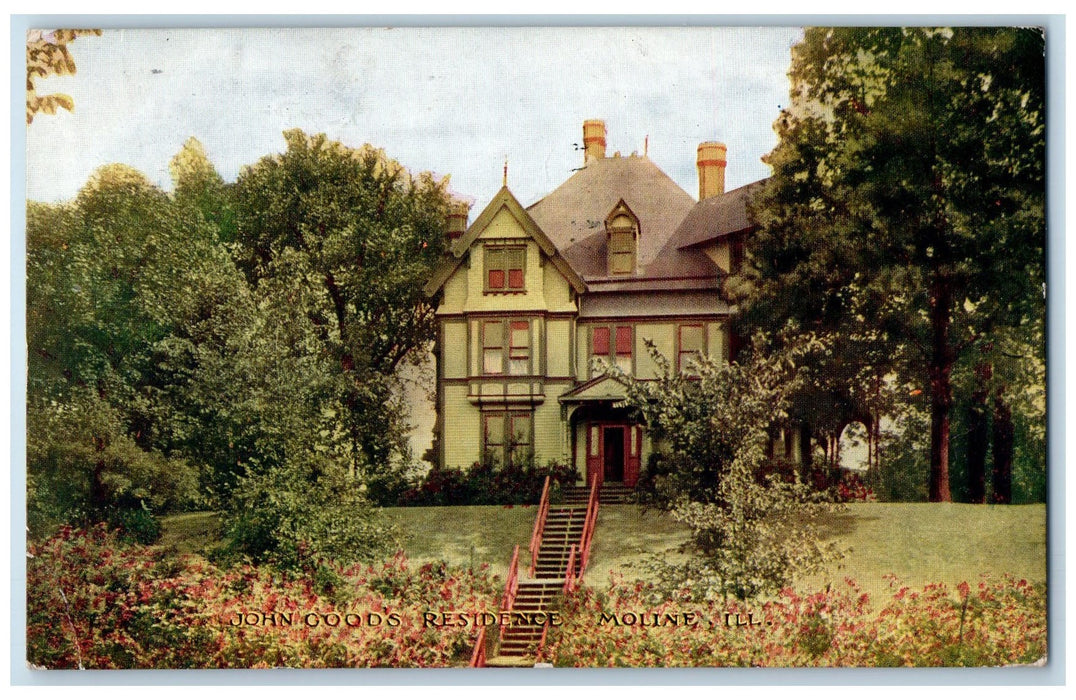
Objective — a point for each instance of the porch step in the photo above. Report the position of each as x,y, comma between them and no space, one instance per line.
610,493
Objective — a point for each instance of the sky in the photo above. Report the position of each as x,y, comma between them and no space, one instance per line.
454,101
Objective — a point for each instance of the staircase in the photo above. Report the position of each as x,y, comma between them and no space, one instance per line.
519,641
563,528
611,493
560,547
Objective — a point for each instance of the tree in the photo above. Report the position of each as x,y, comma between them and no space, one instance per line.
755,526
47,54
906,206
345,238
111,279
199,186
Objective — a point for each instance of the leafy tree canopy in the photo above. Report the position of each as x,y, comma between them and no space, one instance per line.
345,238
47,54
905,215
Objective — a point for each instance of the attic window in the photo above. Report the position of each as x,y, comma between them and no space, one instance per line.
621,252
622,231
504,268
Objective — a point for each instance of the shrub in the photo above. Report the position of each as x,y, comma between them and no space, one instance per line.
487,483
294,518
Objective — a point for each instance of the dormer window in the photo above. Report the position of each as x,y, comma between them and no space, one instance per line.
622,239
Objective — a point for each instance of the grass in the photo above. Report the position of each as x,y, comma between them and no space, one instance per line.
936,542
465,535
918,542
191,533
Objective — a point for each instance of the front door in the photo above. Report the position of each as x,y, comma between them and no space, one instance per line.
613,452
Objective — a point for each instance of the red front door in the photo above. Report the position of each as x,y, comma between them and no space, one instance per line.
613,452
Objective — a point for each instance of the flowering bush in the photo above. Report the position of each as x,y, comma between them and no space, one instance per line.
851,488
998,622
95,602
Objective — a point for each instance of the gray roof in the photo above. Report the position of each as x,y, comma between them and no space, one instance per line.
716,217
653,303
573,216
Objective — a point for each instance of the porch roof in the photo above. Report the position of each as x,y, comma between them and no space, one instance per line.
599,389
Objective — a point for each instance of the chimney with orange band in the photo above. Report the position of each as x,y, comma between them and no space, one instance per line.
711,164
593,140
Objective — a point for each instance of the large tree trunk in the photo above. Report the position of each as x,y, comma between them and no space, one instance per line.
941,387
1003,450
978,434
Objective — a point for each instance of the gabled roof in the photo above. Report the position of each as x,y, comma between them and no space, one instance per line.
504,199
716,217
573,215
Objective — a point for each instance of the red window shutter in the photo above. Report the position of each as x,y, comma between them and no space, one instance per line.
496,279
515,279
601,341
623,341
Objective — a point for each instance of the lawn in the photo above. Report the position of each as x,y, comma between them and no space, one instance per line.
465,535
919,542
937,542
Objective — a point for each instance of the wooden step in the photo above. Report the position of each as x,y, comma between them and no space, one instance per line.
499,661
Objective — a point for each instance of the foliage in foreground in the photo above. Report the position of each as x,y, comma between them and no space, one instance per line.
997,622
93,602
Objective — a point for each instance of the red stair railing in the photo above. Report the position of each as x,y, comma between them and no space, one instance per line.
541,642
511,587
478,657
569,572
588,527
539,526
512,584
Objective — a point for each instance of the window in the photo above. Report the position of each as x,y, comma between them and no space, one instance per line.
493,347
519,349
736,255
494,435
613,349
623,348
691,346
504,268
508,436
622,252
499,355
521,444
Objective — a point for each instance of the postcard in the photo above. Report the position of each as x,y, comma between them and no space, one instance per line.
568,347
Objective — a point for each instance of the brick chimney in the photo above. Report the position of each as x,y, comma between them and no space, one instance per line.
711,164
593,140
457,221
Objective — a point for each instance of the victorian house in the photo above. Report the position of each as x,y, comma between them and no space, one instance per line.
530,298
